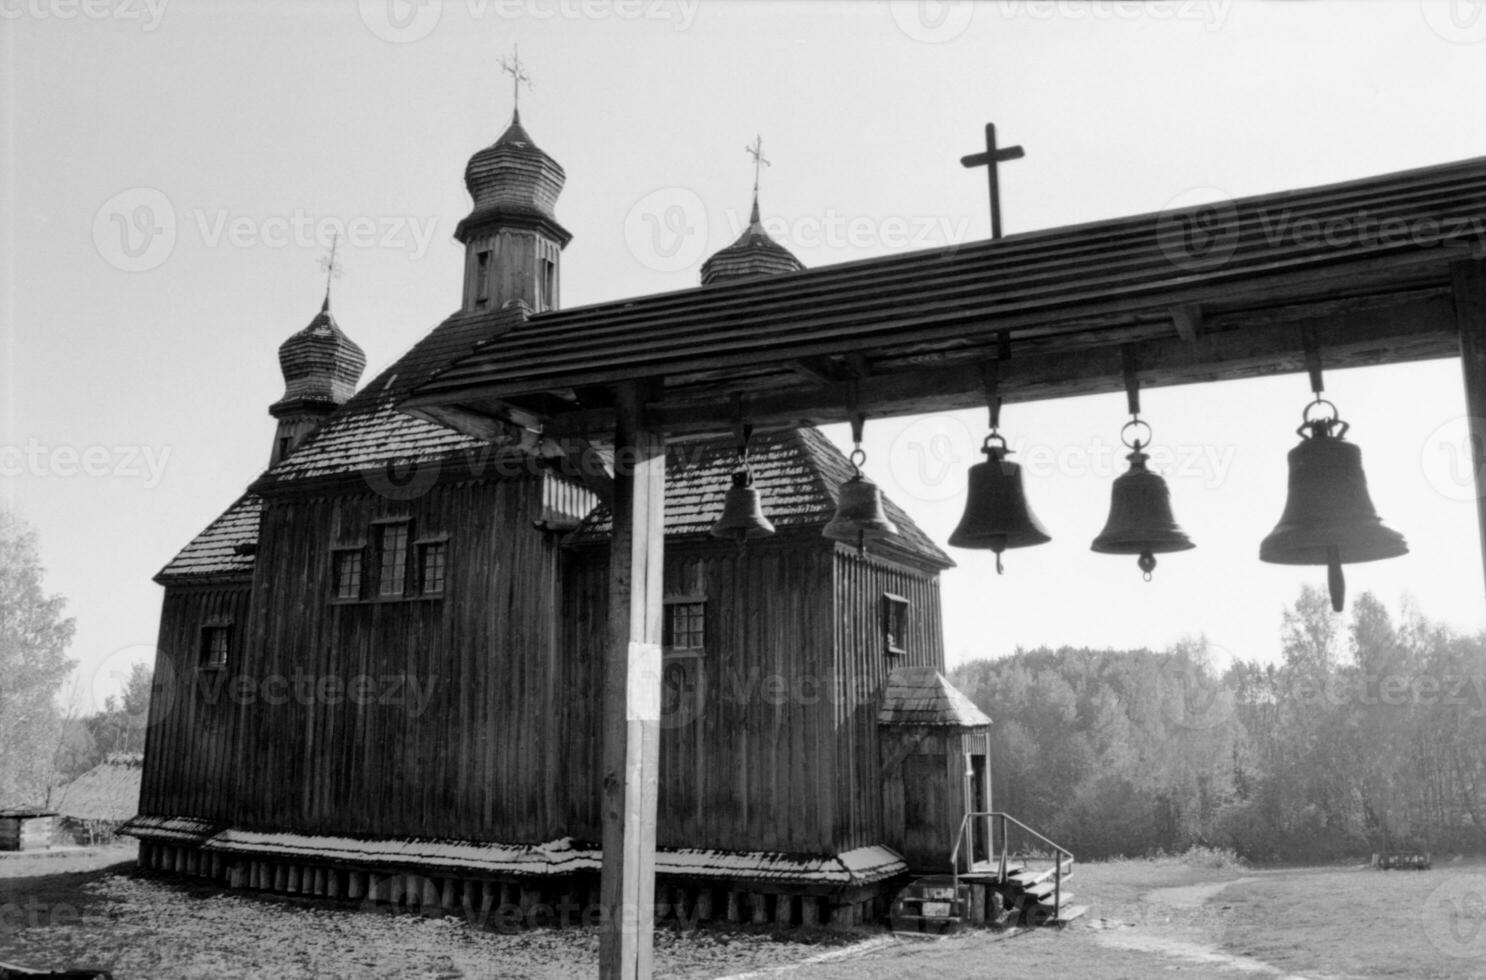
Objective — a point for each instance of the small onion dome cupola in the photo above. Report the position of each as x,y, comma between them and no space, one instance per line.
321,366
753,254
513,182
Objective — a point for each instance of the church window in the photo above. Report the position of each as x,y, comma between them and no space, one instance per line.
685,625
393,571
482,277
894,623
548,299
214,644
432,566
348,573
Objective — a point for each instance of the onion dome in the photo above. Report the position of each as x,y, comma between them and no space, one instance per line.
513,182
753,254
321,366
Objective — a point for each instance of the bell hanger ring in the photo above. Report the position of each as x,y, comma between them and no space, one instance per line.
1315,425
1136,444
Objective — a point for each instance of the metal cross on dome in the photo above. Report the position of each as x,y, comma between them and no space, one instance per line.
517,71
756,150
334,269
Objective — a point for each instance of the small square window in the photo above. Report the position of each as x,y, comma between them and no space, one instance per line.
394,567
348,574
894,623
685,624
433,566
214,646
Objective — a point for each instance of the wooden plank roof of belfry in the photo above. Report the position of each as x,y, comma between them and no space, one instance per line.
1232,281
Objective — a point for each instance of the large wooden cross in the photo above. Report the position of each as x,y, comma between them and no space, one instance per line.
989,159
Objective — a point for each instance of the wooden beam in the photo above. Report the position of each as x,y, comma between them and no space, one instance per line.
1421,329
1468,282
1188,321
632,668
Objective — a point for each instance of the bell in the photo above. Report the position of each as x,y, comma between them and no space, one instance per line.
859,515
742,512
996,513
1140,521
1329,517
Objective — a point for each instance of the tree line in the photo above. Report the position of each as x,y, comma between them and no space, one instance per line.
1366,735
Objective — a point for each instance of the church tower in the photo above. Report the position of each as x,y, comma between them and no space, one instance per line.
321,366
513,243
754,253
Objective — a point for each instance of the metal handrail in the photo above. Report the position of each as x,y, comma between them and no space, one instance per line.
1062,852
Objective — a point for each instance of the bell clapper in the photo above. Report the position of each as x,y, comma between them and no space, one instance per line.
1147,564
999,569
1336,582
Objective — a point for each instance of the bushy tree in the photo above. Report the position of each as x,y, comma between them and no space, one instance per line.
34,636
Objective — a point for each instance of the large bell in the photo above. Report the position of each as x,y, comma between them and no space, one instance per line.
1329,517
1140,521
742,512
996,515
859,514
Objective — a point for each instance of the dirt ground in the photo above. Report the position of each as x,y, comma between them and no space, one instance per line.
1146,918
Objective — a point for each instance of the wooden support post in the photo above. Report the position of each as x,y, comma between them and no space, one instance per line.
758,904
632,668
809,911
332,883
1468,279
704,904
784,910
356,884
735,907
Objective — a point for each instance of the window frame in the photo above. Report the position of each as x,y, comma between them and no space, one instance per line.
895,610
668,632
205,648
337,552
421,548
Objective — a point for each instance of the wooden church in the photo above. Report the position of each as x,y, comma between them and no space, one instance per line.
379,671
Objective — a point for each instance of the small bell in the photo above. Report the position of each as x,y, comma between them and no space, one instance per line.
1329,518
1140,521
997,515
859,514
742,511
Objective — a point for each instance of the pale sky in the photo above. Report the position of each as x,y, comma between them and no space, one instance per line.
170,173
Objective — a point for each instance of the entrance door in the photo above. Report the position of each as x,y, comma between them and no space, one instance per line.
979,802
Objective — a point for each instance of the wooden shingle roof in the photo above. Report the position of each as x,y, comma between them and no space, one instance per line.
1212,291
797,473
222,550
923,696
